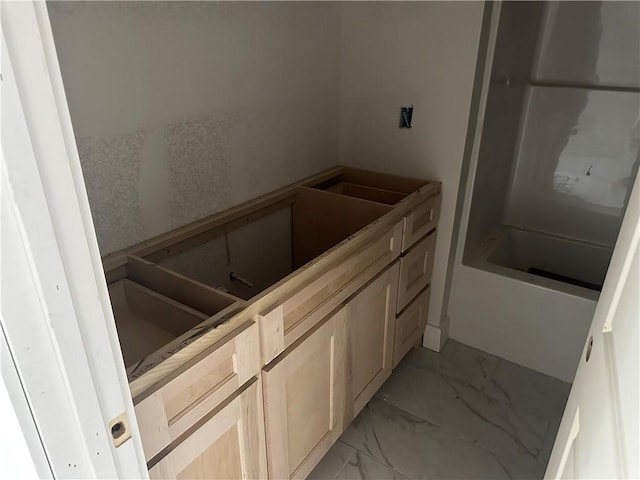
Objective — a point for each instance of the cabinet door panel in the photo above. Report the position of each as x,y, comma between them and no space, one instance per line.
415,270
176,406
228,445
304,400
370,327
410,325
420,221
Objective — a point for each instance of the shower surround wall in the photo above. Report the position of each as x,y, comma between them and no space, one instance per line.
549,178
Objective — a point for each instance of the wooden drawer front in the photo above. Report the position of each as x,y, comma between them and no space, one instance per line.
420,221
178,405
304,397
410,325
281,326
371,318
230,444
415,270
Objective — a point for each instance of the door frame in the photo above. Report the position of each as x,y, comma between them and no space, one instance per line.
56,312
592,381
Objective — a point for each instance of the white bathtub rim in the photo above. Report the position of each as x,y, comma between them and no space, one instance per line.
479,260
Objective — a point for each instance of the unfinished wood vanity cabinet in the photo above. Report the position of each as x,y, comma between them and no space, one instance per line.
260,332
304,397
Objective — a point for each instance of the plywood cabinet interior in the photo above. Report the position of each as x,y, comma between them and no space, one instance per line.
370,328
228,444
304,396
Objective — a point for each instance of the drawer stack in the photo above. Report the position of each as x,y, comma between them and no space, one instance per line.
416,267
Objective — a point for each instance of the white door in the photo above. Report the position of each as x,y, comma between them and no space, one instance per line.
62,371
599,433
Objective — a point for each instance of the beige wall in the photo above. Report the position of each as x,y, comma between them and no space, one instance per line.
398,54
184,109
181,110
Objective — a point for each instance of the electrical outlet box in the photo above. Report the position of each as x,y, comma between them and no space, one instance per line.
405,116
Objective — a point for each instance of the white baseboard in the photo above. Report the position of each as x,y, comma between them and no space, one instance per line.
436,336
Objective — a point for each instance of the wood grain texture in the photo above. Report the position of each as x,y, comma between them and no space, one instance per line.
326,332
370,331
410,325
179,404
279,292
170,363
416,267
304,395
420,221
229,444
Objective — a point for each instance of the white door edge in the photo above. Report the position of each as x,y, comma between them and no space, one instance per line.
56,312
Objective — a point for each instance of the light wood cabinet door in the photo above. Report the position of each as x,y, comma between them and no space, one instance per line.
420,221
176,406
415,270
410,325
228,445
370,333
304,400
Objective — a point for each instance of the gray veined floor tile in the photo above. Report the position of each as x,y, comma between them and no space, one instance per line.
332,462
467,364
403,442
468,461
361,467
549,440
464,410
528,391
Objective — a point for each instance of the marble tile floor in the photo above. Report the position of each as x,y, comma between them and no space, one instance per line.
458,414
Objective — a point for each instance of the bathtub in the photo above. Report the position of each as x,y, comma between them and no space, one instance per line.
549,261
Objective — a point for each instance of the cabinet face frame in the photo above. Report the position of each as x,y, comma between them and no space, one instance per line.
370,332
284,324
235,434
300,430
